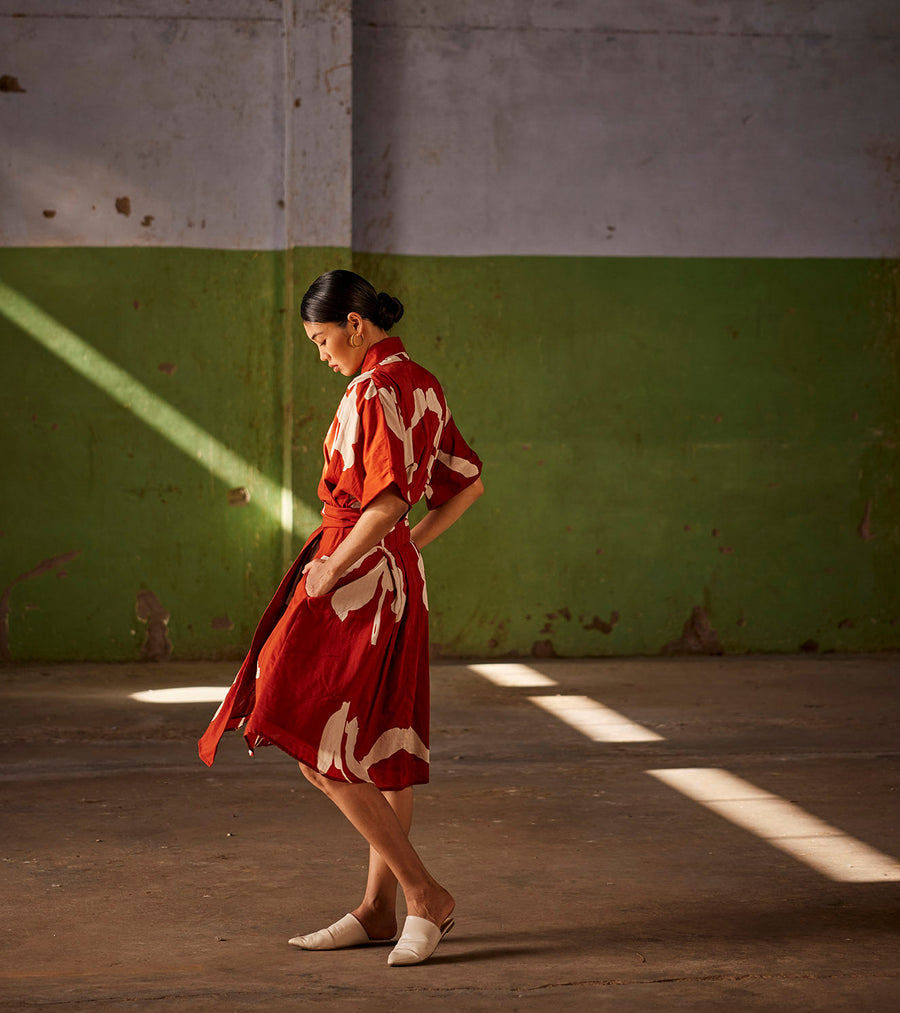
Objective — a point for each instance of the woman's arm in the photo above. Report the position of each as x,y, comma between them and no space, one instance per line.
374,523
436,521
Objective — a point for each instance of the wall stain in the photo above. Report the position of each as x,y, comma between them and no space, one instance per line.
598,624
697,637
10,83
326,76
123,205
865,525
543,649
53,563
149,610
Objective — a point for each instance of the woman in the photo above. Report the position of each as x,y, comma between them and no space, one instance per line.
337,674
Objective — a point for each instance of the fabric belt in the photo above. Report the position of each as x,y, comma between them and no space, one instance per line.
346,517
339,517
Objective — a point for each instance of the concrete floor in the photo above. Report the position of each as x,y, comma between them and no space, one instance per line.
136,879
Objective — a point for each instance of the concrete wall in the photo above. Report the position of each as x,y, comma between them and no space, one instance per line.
651,248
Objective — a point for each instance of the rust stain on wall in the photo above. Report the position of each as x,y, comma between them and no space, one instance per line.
239,496
123,205
10,83
697,637
149,610
53,563
543,649
604,627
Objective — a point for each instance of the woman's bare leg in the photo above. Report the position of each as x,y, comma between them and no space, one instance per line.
375,818
378,910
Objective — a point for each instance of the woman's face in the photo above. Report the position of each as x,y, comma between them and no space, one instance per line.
333,342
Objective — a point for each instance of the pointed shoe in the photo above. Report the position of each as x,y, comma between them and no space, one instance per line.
418,941
344,933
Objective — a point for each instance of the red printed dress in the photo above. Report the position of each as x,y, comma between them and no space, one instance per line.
340,681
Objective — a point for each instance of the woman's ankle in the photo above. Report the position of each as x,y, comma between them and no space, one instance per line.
379,919
435,904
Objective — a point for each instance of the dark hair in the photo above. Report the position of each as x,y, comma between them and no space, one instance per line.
333,296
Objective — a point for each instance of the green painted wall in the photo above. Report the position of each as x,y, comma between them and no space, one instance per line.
626,409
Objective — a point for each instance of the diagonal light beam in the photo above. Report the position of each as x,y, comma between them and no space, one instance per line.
782,824
290,513
511,674
599,723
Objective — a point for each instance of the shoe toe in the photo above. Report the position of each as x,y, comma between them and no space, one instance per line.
345,932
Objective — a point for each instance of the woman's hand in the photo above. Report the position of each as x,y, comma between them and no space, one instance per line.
320,578
379,517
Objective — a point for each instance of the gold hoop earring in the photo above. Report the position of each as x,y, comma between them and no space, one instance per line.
356,344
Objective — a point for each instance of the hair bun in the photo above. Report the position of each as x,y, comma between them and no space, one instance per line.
390,310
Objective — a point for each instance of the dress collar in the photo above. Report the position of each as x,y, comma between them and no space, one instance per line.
381,351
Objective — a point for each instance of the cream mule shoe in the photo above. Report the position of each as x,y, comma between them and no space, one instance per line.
418,941
344,933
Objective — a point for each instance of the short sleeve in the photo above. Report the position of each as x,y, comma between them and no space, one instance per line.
456,466
381,463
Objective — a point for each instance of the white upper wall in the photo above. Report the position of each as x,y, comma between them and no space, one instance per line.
627,127
572,127
185,108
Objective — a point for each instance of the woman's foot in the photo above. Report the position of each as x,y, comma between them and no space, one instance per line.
380,923
436,905
344,933
418,941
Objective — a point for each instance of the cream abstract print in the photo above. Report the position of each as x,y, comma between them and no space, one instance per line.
343,677
338,746
384,578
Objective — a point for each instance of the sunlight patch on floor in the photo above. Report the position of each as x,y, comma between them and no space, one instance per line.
512,674
592,719
783,824
182,694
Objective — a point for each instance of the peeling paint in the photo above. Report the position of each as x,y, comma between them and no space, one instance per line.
239,496
543,649
123,205
149,610
47,564
698,636
10,83
604,627
221,623
167,367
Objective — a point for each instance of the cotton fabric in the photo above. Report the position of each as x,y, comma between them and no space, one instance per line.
340,681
